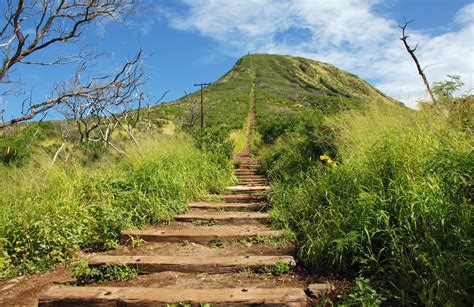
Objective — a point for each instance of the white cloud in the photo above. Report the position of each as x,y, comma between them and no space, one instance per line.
345,33
466,14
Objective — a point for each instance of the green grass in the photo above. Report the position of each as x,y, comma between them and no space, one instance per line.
49,211
85,274
396,211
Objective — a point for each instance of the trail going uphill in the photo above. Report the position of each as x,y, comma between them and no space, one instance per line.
219,253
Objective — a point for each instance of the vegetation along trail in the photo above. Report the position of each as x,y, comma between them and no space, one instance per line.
305,191
220,252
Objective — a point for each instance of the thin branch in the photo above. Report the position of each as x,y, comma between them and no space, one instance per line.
411,51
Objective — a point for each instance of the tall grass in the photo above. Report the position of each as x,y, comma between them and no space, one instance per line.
49,211
396,211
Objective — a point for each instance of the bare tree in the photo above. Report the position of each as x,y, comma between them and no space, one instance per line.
105,103
411,51
192,107
30,26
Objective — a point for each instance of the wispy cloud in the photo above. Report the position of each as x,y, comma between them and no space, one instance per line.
346,33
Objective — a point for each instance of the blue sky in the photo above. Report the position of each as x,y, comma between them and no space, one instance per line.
188,41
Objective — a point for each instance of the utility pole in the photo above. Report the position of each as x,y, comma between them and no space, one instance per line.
202,85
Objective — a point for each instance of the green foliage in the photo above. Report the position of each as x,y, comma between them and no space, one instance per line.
446,89
16,148
205,223
135,241
85,274
19,143
362,294
215,140
277,269
300,147
48,211
396,210
274,125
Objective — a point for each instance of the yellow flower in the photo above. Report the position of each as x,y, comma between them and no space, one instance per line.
324,157
328,160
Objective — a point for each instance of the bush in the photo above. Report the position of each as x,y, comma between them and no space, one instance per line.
49,211
396,211
216,141
18,147
274,125
299,149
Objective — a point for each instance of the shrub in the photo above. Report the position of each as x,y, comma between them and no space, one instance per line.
48,211
396,211
16,148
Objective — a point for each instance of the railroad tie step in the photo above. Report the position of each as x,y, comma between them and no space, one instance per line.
247,190
144,296
225,217
248,166
251,177
241,198
207,206
252,183
192,264
244,171
201,236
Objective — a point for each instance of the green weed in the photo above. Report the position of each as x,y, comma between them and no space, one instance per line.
277,269
205,223
85,274
396,209
49,211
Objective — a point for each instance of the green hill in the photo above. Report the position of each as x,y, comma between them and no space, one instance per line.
282,83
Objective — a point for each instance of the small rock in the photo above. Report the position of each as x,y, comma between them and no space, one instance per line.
318,290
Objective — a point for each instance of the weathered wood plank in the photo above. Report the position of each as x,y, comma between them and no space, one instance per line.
225,217
192,264
228,206
141,296
202,236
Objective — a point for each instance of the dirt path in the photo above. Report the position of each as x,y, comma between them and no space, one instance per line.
222,253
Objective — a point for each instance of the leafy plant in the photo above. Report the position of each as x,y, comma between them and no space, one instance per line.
85,274
205,223
362,294
277,269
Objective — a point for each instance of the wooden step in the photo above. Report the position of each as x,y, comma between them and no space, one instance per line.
228,206
202,236
192,264
248,166
246,189
225,218
250,170
258,177
252,182
244,171
143,296
241,198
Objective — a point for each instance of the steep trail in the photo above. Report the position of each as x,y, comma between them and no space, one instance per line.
221,253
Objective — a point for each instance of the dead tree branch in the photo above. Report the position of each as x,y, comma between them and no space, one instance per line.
31,26
104,103
412,51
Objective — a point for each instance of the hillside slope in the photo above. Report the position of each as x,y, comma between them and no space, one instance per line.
282,83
